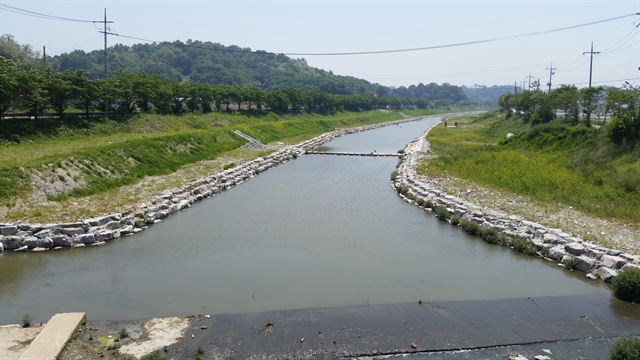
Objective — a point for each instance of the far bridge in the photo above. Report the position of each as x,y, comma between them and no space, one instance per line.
373,153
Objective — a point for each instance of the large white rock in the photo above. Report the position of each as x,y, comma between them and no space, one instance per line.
574,248
606,274
614,262
557,252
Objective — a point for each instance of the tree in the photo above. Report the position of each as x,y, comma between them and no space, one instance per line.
589,101
567,98
32,90
8,84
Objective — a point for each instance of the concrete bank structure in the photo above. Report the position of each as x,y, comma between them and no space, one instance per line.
552,244
25,237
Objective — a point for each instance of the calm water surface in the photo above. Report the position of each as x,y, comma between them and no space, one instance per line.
317,231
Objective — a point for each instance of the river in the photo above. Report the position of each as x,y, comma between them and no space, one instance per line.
318,231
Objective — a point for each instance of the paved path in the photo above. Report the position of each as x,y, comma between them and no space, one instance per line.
53,337
392,329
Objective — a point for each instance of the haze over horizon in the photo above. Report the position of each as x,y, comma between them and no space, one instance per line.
332,26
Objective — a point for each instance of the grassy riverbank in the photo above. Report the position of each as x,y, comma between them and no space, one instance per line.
52,171
554,163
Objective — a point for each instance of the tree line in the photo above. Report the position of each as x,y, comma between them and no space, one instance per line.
616,109
35,91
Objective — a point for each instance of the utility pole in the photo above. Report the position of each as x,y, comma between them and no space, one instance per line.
591,53
552,71
44,57
529,77
106,74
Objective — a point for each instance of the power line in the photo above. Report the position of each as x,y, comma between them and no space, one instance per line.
20,11
433,47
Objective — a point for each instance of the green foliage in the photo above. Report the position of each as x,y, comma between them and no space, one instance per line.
229,166
442,213
156,355
574,165
626,286
123,334
570,262
394,175
523,245
199,354
471,228
626,349
454,220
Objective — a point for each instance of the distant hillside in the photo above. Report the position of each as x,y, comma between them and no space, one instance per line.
206,62
486,95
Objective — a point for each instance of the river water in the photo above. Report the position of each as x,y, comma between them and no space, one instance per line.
318,231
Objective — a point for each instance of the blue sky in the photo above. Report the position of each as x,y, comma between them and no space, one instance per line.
325,26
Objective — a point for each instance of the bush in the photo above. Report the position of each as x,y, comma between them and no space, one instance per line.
471,227
570,262
429,204
626,286
626,349
524,246
489,235
153,356
455,220
394,175
442,213
421,202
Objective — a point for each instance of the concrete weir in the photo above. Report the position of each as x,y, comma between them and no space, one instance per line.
373,154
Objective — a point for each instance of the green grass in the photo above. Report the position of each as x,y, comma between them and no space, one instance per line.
543,163
147,145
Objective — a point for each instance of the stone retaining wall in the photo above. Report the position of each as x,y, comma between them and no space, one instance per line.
23,237
552,244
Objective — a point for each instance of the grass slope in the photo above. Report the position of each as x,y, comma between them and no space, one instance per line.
79,159
550,163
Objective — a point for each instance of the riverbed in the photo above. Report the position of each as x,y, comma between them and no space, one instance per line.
318,231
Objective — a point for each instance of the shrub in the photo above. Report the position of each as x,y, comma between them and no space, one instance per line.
471,227
570,262
153,356
421,202
123,333
229,166
626,349
455,220
394,175
489,235
626,286
429,204
524,246
442,213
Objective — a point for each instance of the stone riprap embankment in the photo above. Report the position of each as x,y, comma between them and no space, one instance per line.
552,244
23,237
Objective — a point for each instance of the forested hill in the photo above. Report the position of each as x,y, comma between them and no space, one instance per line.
206,62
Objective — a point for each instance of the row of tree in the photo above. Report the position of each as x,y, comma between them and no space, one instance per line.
617,108
35,91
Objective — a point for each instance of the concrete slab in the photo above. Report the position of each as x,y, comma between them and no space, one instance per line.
53,337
